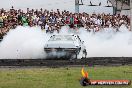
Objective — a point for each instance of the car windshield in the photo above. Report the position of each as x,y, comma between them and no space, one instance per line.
62,38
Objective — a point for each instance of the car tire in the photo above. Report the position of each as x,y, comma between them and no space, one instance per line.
77,55
74,56
84,53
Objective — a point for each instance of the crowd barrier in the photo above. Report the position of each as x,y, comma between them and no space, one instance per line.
103,61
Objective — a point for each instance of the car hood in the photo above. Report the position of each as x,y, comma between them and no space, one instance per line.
61,44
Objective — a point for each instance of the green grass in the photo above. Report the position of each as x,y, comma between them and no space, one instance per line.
67,77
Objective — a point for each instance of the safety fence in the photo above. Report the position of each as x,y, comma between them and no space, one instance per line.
103,61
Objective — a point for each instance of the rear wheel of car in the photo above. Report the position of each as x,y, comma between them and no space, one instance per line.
73,57
79,54
84,53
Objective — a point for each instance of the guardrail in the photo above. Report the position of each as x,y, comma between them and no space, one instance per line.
105,61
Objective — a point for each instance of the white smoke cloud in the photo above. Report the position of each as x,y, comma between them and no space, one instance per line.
28,43
23,42
108,43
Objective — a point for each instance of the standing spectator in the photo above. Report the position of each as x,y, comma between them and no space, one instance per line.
1,21
24,20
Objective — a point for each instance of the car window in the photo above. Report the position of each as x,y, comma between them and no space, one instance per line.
62,38
70,38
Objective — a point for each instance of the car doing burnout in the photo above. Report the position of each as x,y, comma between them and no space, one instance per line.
65,46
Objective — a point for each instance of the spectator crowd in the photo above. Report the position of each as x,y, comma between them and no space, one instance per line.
51,21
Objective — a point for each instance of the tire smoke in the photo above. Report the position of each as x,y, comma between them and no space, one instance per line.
23,43
108,43
28,43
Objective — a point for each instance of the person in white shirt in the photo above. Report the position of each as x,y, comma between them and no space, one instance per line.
47,27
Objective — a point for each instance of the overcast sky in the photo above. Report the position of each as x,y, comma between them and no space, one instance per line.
57,4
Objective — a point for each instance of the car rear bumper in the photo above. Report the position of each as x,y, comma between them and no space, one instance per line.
60,52
71,50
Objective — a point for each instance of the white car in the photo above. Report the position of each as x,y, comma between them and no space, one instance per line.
66,47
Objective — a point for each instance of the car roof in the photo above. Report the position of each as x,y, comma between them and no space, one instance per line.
61,37
66,35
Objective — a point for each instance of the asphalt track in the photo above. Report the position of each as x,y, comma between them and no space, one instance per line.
102,61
